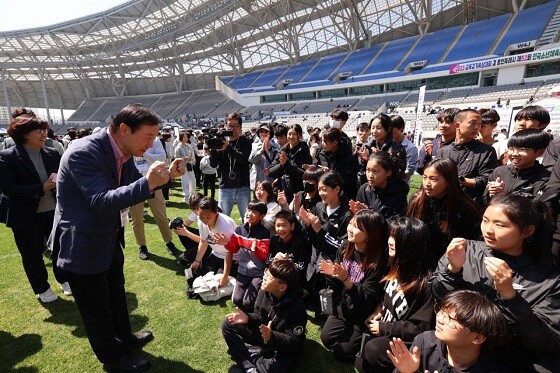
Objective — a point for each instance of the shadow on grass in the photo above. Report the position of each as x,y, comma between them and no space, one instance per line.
316,358
170,263
160,364
16,349
222,303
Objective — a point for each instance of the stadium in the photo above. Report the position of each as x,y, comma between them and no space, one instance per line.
195,61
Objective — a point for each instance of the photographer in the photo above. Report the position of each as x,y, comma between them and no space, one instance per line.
232,161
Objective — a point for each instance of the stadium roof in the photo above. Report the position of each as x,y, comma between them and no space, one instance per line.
158,46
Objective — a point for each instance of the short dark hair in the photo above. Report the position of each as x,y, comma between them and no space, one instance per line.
489,116
285,271
234,116
535,112
267,187
194,200
447,115
388,160
340,114
332,179
313,173
476,312
207,203
281,130
258,206
363,126
332,135
462,114
23,123
397,122
134,116
529,138
286,215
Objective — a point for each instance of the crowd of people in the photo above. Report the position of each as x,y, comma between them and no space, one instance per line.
460,276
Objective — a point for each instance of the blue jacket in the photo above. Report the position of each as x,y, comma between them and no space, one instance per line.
87,223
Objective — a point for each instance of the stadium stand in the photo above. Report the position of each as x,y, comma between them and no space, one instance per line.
528,25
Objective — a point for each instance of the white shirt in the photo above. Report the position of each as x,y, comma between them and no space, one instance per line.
224,225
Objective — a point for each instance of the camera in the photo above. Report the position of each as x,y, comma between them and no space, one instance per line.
215,137
176,223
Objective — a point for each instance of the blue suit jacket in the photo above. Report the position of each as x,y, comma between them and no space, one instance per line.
20,181
87,223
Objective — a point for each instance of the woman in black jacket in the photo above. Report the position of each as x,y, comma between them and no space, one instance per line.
29,180
338,157
407,306
356,281
287,167
382,140
385,192
445,208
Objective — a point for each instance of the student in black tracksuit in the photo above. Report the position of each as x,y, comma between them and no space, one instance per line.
287,167
382,140
443,206
468,327
276,327
326,225
407,306
513,268
356,282
289,243
525,175
362,150
475,160
338,157
385,191
446,136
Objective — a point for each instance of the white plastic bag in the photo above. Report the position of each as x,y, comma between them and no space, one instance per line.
207,287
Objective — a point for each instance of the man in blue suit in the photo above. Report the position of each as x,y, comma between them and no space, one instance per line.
97,183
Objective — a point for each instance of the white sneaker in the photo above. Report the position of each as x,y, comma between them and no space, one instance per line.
66,288
48,296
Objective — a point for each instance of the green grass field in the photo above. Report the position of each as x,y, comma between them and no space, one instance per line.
51,338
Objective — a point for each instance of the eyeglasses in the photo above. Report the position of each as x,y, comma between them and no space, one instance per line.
40,130
447,319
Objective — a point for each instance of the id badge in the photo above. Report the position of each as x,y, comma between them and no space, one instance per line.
124,217
142,166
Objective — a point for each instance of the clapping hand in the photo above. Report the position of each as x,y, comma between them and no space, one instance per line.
456,254
404,360
495,187
266,331
282,200
502,275
237,317
355,206
283,157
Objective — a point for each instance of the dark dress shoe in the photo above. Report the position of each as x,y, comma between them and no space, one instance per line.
128,363
138,339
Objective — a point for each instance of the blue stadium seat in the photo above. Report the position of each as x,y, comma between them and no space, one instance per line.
432,46
390,55
358,60
528,25
325,67
477,38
